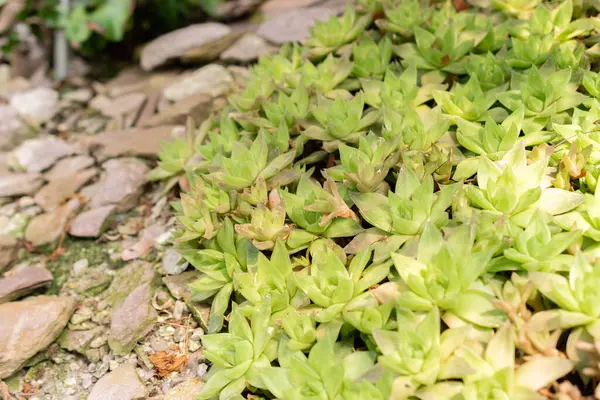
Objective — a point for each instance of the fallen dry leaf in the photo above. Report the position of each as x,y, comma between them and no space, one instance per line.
166,363
139,250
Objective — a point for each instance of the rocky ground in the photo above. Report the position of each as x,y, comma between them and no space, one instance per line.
93,302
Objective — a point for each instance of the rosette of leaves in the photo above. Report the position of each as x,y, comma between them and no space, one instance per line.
488,69
540,246
417,132
559,22
365,168
586,217
583,131
576,296
219,139
413,351
444,50
267,225
445,274
324,77
328,36
491,139
319,210
287,109
198,210
494,373
522,9
469,102
331,371
246,164
270,277
340,291
570,54
510,186
543,96
175,154
371,59
403,16
239,355
221,258
531,51
409,208
591,83
340,121
401,90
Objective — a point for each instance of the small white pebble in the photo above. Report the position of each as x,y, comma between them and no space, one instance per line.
202,370
80,266
86,381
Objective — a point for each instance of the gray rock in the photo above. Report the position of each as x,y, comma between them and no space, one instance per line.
213,80
173,263
80,341
9,247
47,228
81,95
121,184
134,274
121,384
55,192
29,326
22,282
19,184
178,285
292,25
175,44
94,281
91,223
39,104
132,320
134,141
248,48
119,106
68,166
197,106
10,126
272,6
185,390
35,155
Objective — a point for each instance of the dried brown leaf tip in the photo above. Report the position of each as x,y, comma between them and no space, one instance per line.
166,363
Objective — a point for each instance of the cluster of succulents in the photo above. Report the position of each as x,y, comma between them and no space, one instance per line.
404,206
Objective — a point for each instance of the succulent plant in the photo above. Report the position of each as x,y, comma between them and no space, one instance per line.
406,205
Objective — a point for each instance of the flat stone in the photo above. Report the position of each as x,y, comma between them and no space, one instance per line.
47,228
29,326
121,105
271,6
213,80
93,282
68,166
80,341
133,275
81,95
19,184
176,43
121,184
185,390
9,248
36,155
292,25
91,223
22,282
10,126
248,48
178,285
55,192
134,141
197,106
39,104
173,262
121,384
132,320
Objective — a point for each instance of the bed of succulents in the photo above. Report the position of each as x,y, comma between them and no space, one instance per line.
404,206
